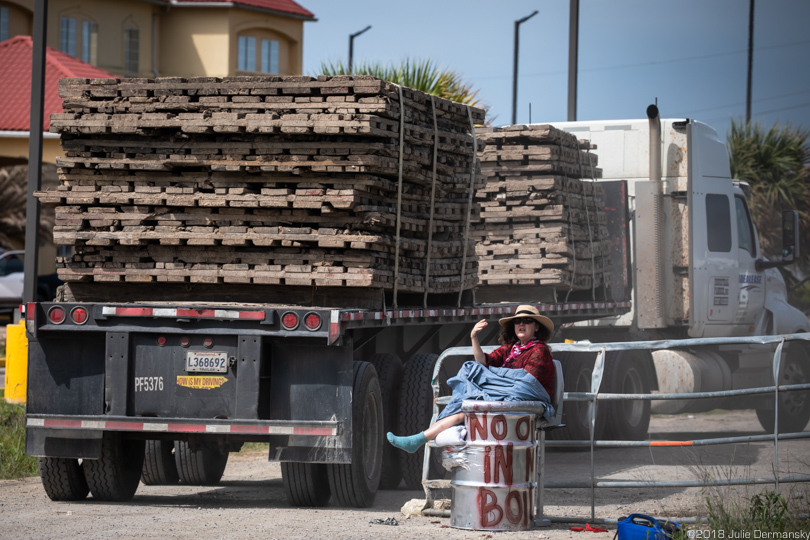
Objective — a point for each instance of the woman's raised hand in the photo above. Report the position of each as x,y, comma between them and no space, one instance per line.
480,325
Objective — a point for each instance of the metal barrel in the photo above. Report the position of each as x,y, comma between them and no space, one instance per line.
495,489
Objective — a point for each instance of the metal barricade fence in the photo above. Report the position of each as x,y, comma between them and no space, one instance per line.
595,395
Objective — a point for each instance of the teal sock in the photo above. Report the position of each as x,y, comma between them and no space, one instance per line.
409,444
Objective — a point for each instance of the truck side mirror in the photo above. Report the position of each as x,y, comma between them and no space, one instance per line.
790,242
790,235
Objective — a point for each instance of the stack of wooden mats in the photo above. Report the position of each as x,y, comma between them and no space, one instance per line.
323,182
541,224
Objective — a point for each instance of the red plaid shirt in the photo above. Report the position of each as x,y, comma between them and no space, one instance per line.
536,360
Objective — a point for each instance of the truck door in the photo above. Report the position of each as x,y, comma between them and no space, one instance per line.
751,296
714,264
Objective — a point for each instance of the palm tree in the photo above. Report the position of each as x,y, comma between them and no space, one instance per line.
421,75
776,164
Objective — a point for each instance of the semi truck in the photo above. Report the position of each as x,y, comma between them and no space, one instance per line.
162,391
696,270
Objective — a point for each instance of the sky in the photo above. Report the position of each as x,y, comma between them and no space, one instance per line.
689,55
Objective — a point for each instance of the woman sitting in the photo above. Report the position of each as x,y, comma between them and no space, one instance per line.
521,369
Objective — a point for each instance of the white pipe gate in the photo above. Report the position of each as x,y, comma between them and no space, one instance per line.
594,395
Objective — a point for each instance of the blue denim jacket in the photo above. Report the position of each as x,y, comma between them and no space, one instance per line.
476,381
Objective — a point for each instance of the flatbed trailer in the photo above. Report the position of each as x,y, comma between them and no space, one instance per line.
108,379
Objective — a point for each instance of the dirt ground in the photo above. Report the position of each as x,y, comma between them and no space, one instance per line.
250,501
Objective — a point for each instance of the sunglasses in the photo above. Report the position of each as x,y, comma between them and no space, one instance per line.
525,320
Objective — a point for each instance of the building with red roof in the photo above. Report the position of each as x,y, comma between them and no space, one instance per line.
15,95
141,38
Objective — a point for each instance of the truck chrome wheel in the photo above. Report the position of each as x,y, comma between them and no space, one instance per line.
794,406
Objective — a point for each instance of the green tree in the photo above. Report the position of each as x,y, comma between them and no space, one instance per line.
775,163
421,75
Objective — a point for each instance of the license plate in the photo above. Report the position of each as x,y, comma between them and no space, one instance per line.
209,361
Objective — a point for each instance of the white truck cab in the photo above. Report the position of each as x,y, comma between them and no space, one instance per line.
696,268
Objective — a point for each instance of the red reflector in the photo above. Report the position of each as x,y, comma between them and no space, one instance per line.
161,341
56,315
289,320
79,315
184,342
312,321
258,315
196,313
30,311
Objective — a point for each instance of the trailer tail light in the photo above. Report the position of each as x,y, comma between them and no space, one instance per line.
56,315
208,343
161,341
312,321
185,342
79,315
289,320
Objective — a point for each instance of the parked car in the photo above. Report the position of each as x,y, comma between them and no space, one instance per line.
12,264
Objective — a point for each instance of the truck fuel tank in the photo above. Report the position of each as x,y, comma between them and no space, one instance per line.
689,371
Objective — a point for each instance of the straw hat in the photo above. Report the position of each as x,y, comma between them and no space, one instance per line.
531,312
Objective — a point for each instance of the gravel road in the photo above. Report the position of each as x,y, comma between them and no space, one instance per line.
250,502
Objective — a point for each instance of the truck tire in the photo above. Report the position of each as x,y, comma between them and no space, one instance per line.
794,406
415,412
115,476
389,372
577,371
63,479
159,467
203,465
626,372
356,484
306,484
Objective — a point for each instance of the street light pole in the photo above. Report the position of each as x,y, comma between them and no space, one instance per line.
351,45
573,59
750,62
515,67
35,150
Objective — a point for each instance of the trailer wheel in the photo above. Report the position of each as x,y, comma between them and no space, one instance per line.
577,371
389,372
63,479
201,464
415,412
356,484
159,467
794,406
115,476
626,372
306,484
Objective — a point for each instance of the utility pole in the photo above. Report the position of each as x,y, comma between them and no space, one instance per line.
750,62
573,58
35,150
515,67
351,45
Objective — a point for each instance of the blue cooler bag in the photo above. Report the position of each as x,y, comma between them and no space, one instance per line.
641,527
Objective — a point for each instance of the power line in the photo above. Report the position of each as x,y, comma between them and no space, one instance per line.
654,62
